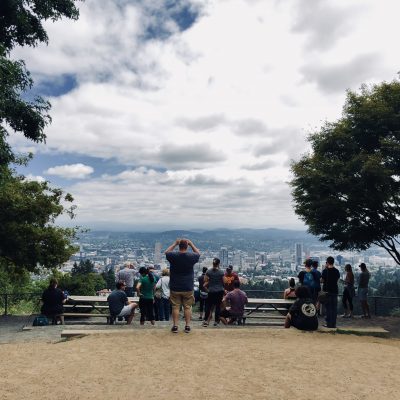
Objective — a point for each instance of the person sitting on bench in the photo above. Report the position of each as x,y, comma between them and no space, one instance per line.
237,300
119,304
53,299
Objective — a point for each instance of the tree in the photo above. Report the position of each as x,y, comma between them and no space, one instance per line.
347,190
84,267
28,237
21,24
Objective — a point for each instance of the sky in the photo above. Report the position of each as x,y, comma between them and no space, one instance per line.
187,114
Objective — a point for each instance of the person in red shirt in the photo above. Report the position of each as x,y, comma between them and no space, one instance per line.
229,278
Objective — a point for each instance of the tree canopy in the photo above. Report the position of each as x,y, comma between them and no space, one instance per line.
28,210
347,190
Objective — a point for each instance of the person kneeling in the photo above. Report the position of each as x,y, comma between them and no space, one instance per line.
303,313
119,304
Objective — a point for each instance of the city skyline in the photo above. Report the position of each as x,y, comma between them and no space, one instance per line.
188,116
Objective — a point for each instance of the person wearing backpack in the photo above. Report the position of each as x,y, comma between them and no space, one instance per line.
306,277
317,282
303,313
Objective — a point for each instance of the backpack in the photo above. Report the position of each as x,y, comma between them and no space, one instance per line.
40,320
308,279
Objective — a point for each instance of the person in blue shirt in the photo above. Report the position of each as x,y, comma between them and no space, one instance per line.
182,279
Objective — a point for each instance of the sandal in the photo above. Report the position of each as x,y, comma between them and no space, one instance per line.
187,329
205,324
174,329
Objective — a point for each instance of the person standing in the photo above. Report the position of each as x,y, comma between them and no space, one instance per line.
203,293
127,275
348,292
145,292
317,282
182,280
330,277
214,282
306,277
229,278
363,290
163,286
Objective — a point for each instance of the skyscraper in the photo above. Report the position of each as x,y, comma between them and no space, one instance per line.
298,254
157,253
223,256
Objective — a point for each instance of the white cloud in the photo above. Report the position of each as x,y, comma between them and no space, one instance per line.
37,178
72,171
206,120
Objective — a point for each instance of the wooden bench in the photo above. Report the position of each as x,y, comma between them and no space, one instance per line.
265,309
84,315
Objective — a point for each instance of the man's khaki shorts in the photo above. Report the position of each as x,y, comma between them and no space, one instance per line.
186,299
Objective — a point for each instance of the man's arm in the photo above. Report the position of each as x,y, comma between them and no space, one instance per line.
138,288
194,248
172,247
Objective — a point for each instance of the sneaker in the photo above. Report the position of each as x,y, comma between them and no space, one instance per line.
216,323
205,324
187,329
174,329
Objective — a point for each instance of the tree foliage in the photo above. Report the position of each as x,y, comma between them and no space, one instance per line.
347,190
28,236
21,20
84,267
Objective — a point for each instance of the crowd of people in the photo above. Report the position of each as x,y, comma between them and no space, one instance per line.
219,292
311,297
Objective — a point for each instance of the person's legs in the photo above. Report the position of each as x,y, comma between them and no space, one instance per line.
209,305
175,299
150,310
345,299
142,311
202,304
165,306
334,310
350,300
328,311
161,310
218,301
132,314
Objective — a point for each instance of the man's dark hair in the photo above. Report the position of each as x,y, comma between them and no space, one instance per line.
205,270
119,284
236,284
302,292
315,264
308,263
363,266
183,244
330,260
216,261
53,282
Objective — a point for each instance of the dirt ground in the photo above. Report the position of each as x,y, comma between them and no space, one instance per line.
205,364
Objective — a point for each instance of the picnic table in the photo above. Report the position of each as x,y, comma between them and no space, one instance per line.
97,305
267,308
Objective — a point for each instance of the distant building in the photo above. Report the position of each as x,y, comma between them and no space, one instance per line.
223,256
157,253
299,253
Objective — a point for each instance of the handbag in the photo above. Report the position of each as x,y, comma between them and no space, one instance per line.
158,293
322,297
